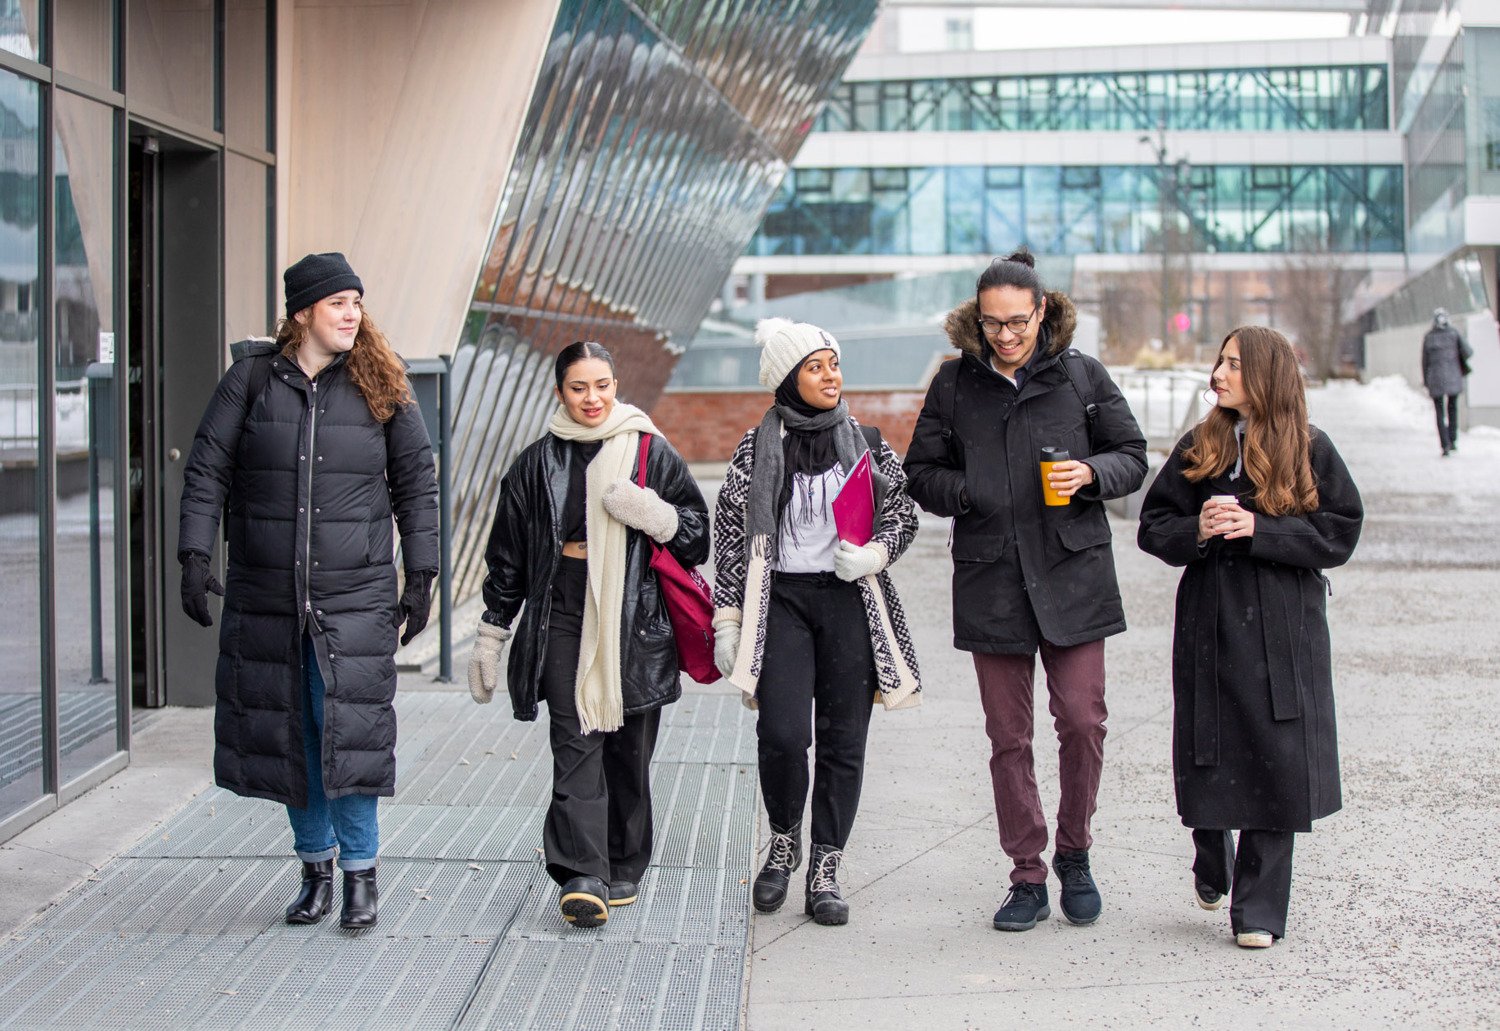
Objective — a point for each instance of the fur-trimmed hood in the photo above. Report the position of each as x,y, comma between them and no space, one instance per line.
962,326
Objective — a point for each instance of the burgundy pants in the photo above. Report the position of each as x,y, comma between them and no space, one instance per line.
1075,684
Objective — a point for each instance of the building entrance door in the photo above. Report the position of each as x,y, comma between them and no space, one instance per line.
175,357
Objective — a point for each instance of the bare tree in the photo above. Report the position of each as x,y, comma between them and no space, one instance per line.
1314,287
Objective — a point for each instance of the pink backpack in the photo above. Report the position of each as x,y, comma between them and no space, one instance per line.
689,602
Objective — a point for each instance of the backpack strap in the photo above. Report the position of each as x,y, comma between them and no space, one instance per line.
1073,356
872,438
948,402
260,374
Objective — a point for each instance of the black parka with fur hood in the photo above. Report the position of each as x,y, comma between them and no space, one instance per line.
1023,572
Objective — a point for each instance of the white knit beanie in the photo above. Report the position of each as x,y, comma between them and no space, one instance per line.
784,344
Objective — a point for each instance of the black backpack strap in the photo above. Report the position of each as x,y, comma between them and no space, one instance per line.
948,400
872,438
260,373
1072,356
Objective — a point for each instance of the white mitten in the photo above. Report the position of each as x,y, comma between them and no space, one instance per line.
726,643
484,661
641,508
853,561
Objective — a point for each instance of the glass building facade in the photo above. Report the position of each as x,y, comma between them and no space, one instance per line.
1206,100
657,133
80,304
1066,209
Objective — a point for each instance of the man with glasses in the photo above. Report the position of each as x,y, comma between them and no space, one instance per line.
1031,574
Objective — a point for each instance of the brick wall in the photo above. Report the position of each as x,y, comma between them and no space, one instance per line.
705,426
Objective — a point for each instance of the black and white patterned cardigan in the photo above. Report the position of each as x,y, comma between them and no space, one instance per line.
742,581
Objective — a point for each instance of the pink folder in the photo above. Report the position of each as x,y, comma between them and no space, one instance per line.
854,507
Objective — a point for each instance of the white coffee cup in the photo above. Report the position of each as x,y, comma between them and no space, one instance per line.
1224,499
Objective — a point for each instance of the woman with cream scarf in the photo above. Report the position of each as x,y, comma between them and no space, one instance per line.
569,544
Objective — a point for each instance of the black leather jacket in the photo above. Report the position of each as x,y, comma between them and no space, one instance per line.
524,551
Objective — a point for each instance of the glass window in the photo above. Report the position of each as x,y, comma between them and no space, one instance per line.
247,212
172,58
20,28
246,67
83,156
83,40
20,428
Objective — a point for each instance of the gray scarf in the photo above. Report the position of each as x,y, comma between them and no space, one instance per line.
769,468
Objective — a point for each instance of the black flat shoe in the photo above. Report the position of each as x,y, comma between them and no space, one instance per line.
315,898
360,897
622,893
583,902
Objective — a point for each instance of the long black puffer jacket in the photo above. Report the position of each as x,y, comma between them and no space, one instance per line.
312,480
525,549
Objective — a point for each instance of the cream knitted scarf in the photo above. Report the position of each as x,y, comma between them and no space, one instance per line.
597,693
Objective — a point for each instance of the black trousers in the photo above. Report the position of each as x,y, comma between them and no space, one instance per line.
818,673
599,823
1262,875
1447,427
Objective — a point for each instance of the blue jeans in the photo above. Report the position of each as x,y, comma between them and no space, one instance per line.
346,826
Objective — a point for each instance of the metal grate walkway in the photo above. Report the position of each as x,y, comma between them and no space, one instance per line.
186,930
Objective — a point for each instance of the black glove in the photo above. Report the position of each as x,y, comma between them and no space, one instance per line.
197,582
415,604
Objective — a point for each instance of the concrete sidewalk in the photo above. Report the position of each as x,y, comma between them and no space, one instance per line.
1395,919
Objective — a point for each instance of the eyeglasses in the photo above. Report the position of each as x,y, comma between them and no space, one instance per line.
991,326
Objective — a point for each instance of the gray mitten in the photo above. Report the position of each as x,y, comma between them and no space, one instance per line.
484,661
641,508
853,561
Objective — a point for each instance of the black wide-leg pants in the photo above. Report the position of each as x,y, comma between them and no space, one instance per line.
599,823
1261,873
817,686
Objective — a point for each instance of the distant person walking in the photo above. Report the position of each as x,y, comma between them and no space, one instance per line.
808,625
314,442
1445,363
1033,568
569,552
1254,503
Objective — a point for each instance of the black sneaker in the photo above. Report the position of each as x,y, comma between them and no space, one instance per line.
785,855
583,902
1080,895
1024,906
825,899
1208,898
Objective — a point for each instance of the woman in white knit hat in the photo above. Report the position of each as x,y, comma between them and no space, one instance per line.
806,625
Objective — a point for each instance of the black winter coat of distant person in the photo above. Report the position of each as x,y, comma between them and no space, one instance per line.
1024,572
311,479
1445,359
1254,742
525,550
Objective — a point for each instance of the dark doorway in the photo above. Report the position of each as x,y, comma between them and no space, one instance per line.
174,358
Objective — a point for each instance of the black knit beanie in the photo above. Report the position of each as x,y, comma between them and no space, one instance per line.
318,276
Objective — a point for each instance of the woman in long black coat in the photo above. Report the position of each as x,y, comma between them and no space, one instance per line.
571,545
314,442
1255,503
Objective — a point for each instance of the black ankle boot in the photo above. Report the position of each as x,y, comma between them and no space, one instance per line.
315,897
785,855
359,899
825,899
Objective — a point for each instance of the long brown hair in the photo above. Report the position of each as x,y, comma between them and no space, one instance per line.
1277,436
373,366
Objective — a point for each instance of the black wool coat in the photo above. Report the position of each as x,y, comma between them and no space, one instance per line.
311,480
1254,742
1024,572
525,550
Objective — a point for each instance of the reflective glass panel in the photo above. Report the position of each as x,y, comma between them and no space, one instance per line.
246,97
83,39
20,427
19,28
172,57
86,442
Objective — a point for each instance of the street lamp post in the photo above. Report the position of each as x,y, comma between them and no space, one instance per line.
1169,177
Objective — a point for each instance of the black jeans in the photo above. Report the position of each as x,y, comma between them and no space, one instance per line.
599,823
818,673
1262,875
1447,428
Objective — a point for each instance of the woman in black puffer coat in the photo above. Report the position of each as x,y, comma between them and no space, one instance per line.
570,544
313,443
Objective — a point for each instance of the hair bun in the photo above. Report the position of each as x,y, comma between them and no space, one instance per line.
1023,257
